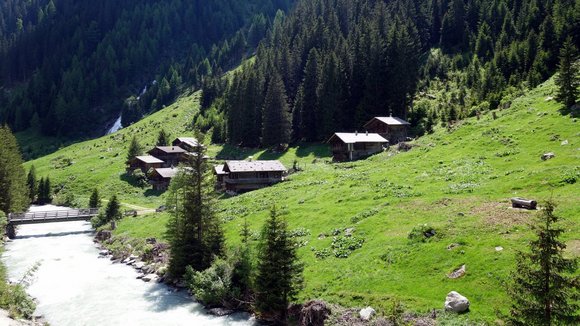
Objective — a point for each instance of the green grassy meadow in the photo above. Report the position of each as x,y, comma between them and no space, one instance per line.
456,181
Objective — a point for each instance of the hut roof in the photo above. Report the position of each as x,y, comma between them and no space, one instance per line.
254,166
170,149
148,159
167,173
390,121
187,140
360,137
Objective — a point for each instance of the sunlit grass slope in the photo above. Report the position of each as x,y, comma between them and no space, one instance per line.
458,182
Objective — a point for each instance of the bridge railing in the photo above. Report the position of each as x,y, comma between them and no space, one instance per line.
69,213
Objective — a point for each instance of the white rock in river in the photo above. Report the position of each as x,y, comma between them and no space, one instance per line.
150,277
367,313
456,302
139,265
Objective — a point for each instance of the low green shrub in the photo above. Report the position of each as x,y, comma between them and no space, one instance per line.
422,233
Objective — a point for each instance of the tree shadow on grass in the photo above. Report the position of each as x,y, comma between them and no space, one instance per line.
153,193
229,152
316,149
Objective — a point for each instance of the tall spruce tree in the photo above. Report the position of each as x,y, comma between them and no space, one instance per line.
307,109
544,290
568,78
162,138
135,149
194,230
277,121
279,272
113,210
13,188
31,182
95,199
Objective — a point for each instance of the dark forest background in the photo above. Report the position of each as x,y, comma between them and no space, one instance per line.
320,66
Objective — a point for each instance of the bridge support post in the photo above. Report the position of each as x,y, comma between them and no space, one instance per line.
11,231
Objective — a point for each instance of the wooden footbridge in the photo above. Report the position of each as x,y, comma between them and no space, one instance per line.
69,215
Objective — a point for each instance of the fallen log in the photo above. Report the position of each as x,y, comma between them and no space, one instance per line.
518,202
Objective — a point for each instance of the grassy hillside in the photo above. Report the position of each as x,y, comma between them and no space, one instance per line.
456,181
100,163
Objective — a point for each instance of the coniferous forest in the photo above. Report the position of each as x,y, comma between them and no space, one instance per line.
70,66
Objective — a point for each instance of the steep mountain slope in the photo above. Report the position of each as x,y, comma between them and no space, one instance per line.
456,181
66,67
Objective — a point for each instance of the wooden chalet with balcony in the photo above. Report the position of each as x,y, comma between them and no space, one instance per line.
391,128
144,163
241,176
353,146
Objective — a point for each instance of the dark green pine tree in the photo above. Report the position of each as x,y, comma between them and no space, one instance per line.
135,149
277,124
279,271
194,230
568,78
13,187
40,191
113,210
32,183
331,98
162,138
307,105
544,287
95,199
44,194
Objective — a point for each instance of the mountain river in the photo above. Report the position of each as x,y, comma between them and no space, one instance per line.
74,287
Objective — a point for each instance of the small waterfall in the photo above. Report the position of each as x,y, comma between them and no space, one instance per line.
116,126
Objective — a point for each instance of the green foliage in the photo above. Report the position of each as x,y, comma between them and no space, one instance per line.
568,78
14,195
544,287
113,210
44,191
97,60
343,245
31,182
95,199
213,286
279,271
135,149
227,282
277,121
194,231
422,233
162,138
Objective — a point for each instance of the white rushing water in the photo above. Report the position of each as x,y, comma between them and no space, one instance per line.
75,287
116,126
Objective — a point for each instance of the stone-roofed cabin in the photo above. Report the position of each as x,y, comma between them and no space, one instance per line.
353,146
144,163
190,144
240,176
171,155
391,128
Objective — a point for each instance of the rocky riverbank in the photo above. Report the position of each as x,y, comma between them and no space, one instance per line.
5,320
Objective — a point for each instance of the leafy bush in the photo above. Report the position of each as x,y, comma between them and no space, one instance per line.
212,286
422,233
343,246
15,299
